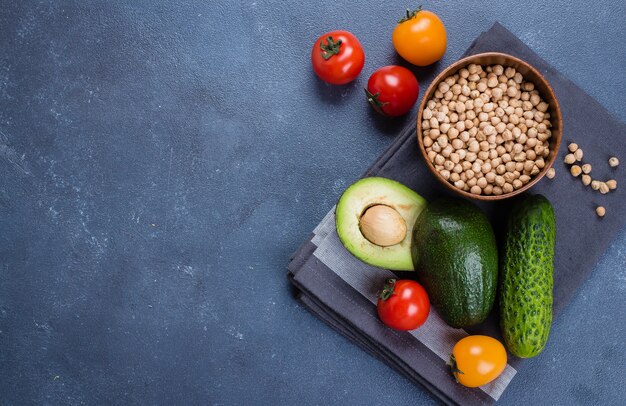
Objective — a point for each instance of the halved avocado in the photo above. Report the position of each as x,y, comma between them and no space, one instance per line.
375,218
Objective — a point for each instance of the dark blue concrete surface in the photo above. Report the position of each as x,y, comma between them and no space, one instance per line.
159,163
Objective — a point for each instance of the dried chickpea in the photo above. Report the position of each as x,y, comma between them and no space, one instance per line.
600,211
575,170
613,162
569,159
540,163
586,179
578,154
550,174
595,184
612,184
586,168
604,188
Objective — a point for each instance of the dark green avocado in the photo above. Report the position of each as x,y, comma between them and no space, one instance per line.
455,256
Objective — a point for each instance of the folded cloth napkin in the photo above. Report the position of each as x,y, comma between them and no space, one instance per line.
341,290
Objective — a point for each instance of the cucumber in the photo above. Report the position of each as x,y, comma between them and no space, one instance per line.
526,278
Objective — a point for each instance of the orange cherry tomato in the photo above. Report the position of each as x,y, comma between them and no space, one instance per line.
477,360
420,37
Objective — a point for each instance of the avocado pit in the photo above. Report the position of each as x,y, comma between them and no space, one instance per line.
382,225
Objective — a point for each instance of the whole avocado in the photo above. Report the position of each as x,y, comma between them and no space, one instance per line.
455,256
526,278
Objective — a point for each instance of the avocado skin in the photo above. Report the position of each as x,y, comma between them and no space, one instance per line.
455,255
526,278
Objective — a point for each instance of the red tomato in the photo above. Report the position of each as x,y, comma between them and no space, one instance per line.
403,304
392,90
337,57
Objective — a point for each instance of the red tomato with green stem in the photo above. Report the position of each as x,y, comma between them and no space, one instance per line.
337,57
392,90
403,304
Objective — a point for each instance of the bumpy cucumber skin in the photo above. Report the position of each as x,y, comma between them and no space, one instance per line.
526,278
456,258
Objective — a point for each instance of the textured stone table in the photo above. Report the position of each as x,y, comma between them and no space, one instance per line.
159,163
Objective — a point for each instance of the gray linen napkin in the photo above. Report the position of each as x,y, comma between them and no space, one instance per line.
340,289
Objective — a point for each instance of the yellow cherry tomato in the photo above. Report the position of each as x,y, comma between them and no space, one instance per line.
420,37
477,360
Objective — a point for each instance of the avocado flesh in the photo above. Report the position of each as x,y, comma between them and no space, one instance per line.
356,200
456,260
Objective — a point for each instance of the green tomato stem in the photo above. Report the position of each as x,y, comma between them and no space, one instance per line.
455,369
387,292
410,14
330,48
378,105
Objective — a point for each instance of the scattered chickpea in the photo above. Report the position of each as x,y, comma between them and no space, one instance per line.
586,179
604,188
613,162
575,170
569,159
600,211
612,184
572,147
586,168
578,154
550,174
595,184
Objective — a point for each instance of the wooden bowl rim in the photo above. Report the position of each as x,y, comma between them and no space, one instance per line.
555,116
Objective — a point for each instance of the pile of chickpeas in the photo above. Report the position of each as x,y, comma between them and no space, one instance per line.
486,130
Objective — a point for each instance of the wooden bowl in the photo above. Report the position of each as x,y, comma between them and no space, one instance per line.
530,74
